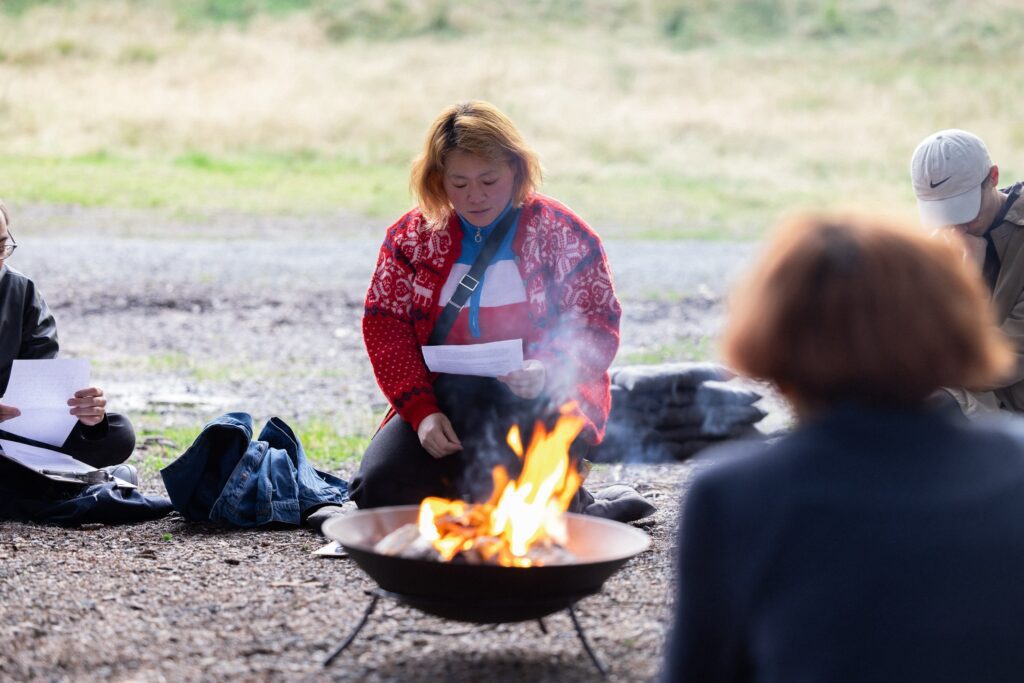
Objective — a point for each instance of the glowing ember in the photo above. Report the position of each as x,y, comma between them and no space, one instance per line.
523,520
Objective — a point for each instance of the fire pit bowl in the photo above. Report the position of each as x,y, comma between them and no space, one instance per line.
487,594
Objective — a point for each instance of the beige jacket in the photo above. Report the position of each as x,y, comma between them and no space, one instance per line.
1008,299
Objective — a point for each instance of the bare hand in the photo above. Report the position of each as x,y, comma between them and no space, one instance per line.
7,412
528,382
89,406
438,436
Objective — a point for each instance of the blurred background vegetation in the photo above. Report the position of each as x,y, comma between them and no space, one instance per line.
654,118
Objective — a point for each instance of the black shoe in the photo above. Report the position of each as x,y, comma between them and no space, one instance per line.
124,472
316,519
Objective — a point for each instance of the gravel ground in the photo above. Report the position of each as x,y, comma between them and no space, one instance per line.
173,601
185,319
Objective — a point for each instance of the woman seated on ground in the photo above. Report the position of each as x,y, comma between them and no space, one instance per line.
547,284
884,538
99,438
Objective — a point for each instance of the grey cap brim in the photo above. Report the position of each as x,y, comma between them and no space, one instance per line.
963,208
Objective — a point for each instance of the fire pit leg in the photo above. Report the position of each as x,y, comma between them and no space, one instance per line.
586,646
543,626
355,631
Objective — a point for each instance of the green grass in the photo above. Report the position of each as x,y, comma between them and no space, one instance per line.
685,25
214,372
687,349
202,370
159,444
202,182
655,118
668,206
639,202
326,447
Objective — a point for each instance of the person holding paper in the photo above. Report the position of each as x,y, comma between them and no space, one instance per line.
99,438
546,285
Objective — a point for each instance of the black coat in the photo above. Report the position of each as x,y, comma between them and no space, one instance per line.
28,331
869,545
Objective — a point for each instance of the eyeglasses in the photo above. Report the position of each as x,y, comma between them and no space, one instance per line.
8,245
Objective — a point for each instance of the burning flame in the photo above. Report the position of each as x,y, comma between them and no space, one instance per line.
519,513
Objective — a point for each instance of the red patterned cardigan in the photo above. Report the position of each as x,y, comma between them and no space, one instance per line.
572,306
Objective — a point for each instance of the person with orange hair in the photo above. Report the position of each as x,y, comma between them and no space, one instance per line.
483,257
883,539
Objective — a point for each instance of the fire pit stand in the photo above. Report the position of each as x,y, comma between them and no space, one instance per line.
418,603
484,593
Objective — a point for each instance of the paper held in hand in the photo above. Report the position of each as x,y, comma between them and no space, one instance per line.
40,389
492,359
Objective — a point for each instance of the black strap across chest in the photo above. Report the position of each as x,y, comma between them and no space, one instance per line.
471,280
993,264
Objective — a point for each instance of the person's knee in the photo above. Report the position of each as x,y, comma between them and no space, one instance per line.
379,486
108,443
122,438
395,470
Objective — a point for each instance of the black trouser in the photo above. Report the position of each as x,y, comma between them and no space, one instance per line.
397,470
109,443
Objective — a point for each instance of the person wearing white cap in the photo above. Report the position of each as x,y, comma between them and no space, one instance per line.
956,185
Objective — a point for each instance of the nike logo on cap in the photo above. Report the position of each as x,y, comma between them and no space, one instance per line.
934,185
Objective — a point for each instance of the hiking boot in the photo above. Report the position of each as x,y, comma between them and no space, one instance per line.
124,472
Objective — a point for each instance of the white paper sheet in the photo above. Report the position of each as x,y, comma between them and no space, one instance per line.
332,549
482,360
41,459
40,389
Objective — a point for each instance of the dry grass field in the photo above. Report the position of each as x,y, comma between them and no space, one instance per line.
653,118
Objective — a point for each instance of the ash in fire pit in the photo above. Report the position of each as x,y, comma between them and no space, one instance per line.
408,542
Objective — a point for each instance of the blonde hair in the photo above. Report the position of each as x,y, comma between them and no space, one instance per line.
478,128
848,306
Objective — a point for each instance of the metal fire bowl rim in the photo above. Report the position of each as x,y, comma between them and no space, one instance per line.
333,526
487,593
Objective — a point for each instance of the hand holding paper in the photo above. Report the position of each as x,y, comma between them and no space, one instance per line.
88,405
40,390
528,382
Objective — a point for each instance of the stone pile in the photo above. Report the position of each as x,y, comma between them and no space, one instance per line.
671,411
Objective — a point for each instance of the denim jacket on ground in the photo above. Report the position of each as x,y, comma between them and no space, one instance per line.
226,477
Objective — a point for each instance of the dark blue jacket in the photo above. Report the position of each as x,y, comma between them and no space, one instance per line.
869,545
226,477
